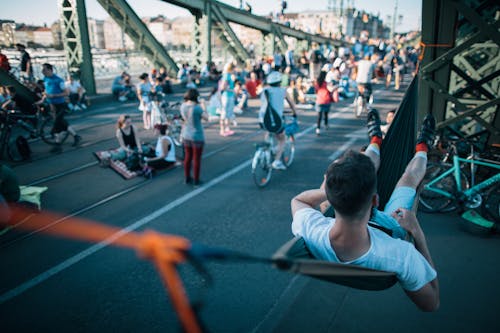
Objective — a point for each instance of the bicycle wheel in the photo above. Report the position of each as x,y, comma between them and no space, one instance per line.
261,169
179,150
432,202
490,208
13,151
288,152
46,132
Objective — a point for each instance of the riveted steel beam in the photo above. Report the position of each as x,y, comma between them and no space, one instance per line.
244,18
133,26
75,37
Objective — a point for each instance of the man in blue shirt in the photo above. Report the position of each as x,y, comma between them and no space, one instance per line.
55,93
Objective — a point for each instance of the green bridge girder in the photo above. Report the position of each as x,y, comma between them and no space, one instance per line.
144,40
459,72
209,15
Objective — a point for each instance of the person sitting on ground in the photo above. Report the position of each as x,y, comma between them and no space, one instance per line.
276,96
126,133
253,85
77,95
118,87
388,121
183,74
164,151
349,186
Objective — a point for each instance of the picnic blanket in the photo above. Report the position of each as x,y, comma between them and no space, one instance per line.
104,158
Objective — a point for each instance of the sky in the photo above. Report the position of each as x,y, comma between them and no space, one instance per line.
46,11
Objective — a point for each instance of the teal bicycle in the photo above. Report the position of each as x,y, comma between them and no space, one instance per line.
447,188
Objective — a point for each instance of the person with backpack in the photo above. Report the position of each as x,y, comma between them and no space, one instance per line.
271,113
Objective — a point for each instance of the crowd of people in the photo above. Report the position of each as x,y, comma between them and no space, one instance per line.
313,77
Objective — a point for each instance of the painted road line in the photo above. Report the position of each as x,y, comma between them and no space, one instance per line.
22,288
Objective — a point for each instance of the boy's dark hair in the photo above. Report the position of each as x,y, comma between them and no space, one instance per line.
143,76
192,95
162,128
48,66
351,182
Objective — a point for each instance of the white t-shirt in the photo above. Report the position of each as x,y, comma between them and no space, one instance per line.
387,254
170,156
73,86
365,71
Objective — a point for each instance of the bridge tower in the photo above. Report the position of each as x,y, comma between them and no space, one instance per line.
76,42
460,67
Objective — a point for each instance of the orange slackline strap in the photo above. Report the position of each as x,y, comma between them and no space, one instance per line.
425,45
165,251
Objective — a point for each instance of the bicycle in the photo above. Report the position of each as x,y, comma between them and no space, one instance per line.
447,188
38,125
363,99
174,121
265,151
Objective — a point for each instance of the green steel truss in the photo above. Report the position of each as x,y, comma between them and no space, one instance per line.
210,15
76,41
143,39
460,81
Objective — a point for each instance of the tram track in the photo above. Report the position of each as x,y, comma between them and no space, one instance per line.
109,198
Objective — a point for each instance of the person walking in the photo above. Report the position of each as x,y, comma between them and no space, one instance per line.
56,93
144,90
25,64
323,101
192,135
227,92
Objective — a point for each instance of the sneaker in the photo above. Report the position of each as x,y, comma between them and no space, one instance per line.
56,149
188,181
122,99
197,183
83,106
235,123
77,141
373,123
278,165
318,131
427,131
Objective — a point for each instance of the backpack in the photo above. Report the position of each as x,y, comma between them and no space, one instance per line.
23,147
272,120
133,162
4,62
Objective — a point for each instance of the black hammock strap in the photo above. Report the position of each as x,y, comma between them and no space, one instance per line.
294,257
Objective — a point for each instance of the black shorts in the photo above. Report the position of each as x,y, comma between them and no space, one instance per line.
60,124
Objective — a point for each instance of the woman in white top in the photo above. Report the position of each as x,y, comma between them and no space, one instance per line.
144,90
165,150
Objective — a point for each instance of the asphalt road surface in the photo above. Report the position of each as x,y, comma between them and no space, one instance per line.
51,284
